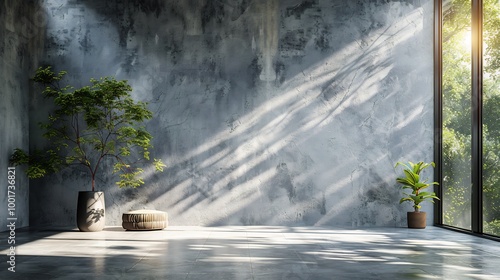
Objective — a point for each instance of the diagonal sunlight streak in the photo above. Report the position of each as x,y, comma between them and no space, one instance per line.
293,93
295,88
298,112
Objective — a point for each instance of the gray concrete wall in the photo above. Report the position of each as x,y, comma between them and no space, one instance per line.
21,42
266,112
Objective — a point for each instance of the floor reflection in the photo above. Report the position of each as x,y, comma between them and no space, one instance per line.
253,253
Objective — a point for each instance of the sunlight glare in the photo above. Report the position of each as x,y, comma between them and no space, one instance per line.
467,41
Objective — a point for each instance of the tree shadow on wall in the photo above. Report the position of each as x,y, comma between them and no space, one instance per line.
227,141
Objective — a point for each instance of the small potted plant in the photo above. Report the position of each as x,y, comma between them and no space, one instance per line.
89,126
412,181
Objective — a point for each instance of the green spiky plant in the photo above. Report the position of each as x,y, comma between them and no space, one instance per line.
89,126
413,182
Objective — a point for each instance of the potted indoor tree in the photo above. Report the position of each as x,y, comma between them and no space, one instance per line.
413,182
89,126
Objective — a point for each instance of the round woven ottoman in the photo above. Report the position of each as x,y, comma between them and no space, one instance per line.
145,220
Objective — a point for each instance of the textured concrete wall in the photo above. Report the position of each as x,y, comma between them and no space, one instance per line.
266,112
21,37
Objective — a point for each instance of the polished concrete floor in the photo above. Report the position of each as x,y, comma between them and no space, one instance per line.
257,252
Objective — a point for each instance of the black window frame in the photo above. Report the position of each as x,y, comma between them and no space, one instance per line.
476,119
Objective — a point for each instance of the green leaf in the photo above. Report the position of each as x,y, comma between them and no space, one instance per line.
159,165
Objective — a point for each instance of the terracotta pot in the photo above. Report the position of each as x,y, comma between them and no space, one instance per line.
90,211
416,219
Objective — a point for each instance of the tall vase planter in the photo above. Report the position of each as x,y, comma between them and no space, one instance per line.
90,211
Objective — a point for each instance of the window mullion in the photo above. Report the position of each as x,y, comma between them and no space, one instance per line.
476,176
438,109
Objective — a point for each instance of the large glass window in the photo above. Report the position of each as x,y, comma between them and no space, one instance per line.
470,114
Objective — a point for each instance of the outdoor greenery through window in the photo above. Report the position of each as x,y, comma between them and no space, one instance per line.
491,117
456,133
457,115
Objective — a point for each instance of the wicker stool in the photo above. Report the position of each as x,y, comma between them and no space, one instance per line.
145,220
